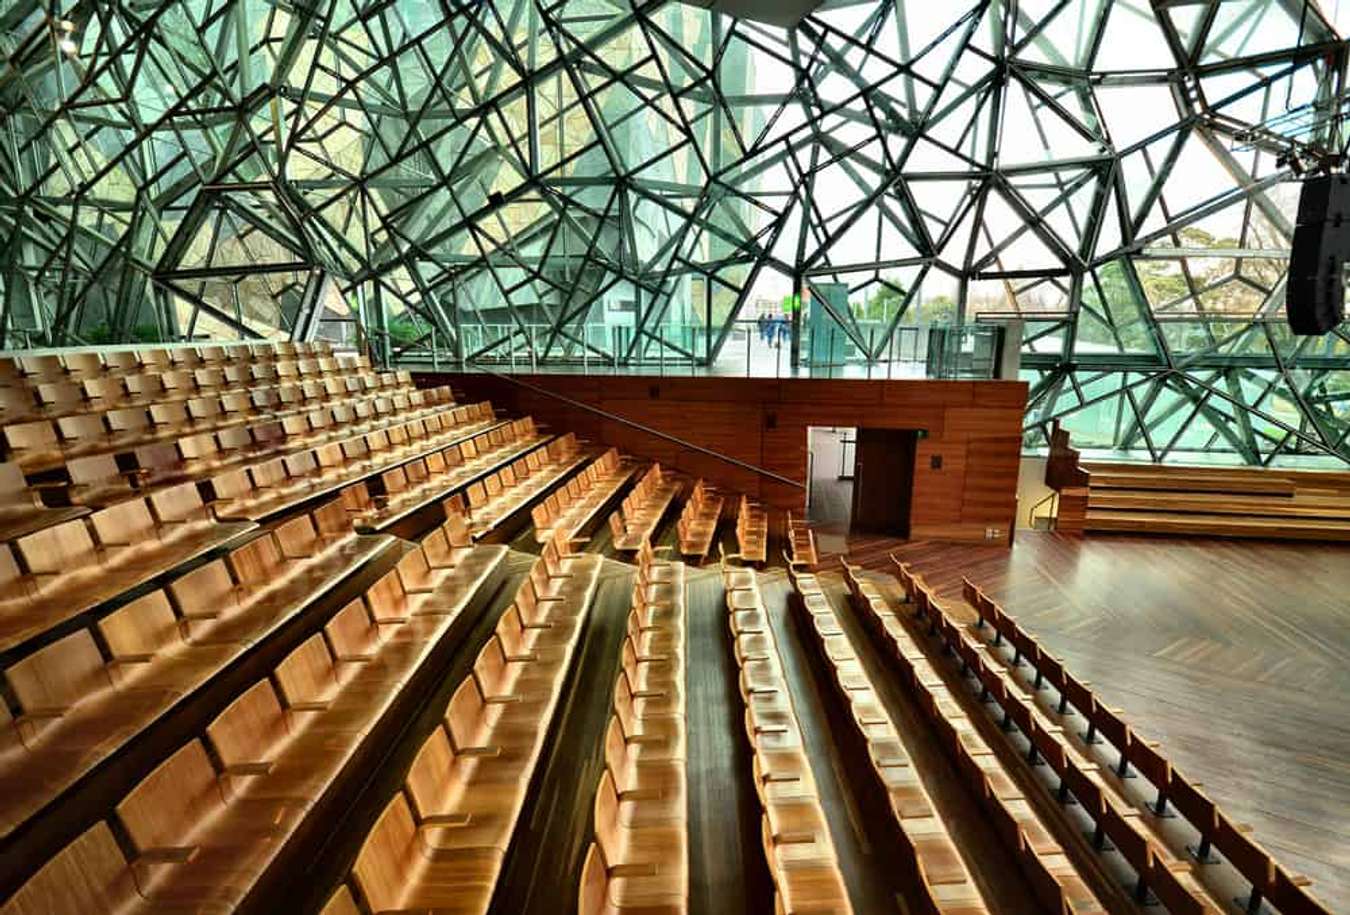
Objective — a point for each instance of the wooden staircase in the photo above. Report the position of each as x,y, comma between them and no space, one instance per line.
1218,502
1195,501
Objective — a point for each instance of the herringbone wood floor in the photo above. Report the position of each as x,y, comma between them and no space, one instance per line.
1236,655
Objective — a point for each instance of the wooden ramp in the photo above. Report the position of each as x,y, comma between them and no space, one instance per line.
1218,502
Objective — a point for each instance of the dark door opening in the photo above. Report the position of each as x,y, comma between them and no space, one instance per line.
883,481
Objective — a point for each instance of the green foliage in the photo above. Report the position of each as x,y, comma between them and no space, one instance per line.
102,335
406,330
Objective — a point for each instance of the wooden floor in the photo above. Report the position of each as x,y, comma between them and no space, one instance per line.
1236,655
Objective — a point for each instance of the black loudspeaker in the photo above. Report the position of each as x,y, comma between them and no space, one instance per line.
1314,296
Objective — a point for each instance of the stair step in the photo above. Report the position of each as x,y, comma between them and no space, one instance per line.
1300,506
1218,525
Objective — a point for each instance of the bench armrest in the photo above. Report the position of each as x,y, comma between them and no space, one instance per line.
168,854
260,767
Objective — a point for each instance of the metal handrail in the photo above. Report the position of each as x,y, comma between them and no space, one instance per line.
1031,512
641,428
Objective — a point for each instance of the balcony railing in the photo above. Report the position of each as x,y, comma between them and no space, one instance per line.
750,351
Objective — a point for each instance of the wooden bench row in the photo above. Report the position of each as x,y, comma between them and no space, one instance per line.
1286,892
572,508
440,842
752,531
34,366
59,572
305,378
797,844
45,444
638,858
1115,823
383,499
495,498
1057,883
22,508
206,824
637,519
85,695
698,522
271,487
195,454
942,877
801,543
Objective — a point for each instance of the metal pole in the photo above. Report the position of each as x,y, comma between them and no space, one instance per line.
829,360
871,344
661,353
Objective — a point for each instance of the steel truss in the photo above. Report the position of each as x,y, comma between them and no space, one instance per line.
607,180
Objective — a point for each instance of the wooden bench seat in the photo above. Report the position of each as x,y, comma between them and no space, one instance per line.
573,507
22,510
698,522
752,532
1079,776
801,543
1026,671
638,858
173,405
268,489
204,826
75,566
81,702
796,839
440,841
638,518
943,876
383,500
517,485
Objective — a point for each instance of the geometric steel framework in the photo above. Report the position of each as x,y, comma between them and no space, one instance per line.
625,178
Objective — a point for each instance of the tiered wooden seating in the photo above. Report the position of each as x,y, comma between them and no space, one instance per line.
73,567
207,823
498,496
210,389
572,508
942,875
440,842
384,499
698,522
801,543
642,510
797,843
1159,870
1216,501
1058,885
752,532
638,859
1012,649
22,510
270,488
92,691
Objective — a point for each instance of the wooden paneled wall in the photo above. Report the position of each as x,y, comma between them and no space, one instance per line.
965,480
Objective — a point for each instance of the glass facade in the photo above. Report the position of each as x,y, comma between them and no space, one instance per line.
627,183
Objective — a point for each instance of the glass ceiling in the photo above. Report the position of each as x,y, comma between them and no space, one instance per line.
618,181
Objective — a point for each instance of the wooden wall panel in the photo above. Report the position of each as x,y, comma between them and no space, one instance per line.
973,426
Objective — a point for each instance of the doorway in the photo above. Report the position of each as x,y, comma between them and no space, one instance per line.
883,481
829,496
